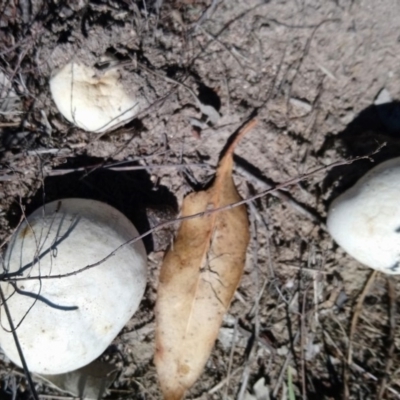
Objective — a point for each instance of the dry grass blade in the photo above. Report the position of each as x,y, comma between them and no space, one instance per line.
391,339
198,279
356,315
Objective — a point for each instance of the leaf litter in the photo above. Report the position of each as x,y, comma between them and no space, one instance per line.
276,150
198,279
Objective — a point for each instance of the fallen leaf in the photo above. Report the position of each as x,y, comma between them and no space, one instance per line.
198,278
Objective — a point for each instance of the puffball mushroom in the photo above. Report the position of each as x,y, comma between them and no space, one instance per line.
365,220
92,100
65,323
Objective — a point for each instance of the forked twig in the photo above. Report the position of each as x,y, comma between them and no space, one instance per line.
18,346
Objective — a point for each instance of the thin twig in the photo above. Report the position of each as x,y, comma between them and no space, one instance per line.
284,368
356,314
229,373
286,198
391,340
223,45
9,124
261,221
207,13
304,55
58,172
357,367
224,381
7,176
18,346
303,316
256,331
164,224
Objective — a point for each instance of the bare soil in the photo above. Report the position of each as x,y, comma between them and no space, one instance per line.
310,71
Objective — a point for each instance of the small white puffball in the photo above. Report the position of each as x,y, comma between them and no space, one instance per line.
65,323
365,220
93,101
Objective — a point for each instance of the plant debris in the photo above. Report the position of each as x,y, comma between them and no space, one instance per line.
198,278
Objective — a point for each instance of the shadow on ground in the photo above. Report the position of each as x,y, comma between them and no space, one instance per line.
375,126
131,192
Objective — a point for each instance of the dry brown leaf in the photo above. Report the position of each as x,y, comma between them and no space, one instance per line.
198,278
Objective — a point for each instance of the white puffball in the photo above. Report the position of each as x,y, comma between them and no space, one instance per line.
74,319
93,101
365,220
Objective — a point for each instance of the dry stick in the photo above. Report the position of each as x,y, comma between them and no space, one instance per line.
18,346
318,296
263,223
65,171
303,316
357,367
199,104
256,332
262,340
224,28
207,13
356,314
319,271
392,320
304,55
229,374
223,45
280,195
290,182
284,368
58,172
39,152
8,124
118,151
224,381
10,49
310,129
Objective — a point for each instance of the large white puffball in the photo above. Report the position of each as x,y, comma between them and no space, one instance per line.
65,323
91,100
365,220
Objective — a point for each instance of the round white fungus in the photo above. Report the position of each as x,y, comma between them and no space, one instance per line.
93,100
365,220
65,323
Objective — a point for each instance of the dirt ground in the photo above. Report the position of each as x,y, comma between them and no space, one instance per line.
310,72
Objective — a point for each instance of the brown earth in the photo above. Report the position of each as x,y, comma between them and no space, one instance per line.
310,71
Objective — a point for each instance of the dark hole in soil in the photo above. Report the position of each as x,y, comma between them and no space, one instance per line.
131,192
64,36
209,96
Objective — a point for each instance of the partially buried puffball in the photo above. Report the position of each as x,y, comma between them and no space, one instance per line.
365,220
65,323
93,100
